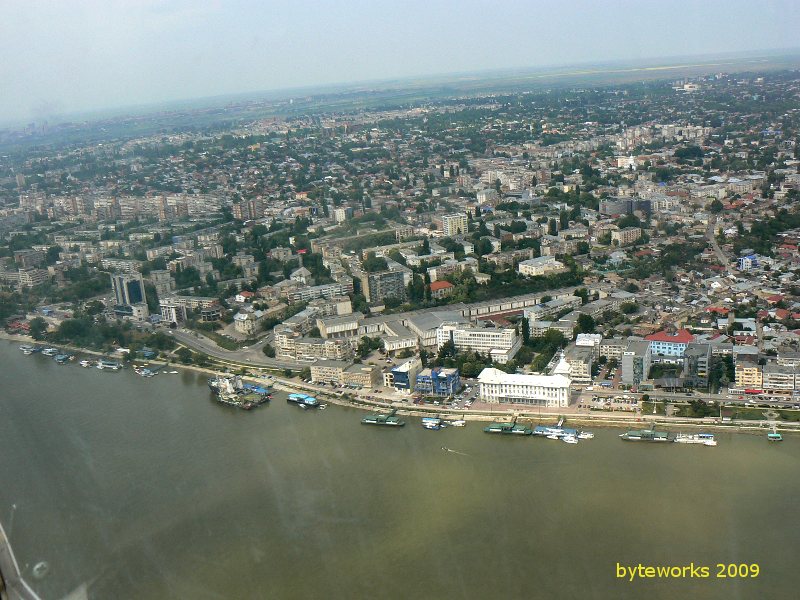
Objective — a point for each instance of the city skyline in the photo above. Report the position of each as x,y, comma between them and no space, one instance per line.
92,56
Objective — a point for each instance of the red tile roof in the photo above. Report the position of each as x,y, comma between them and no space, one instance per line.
682,336
440,285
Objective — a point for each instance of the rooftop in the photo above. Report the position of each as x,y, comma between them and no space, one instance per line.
681,336
497,376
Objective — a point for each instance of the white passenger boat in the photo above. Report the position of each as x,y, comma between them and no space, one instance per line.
707,439
569,439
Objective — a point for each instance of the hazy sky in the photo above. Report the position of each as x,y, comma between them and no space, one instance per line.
61,56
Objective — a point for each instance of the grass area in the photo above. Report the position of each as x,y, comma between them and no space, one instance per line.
227,343
740,412
647,408
752,414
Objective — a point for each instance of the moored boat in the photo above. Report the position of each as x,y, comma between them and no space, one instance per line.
508,428
389,420
304,401
570,439
85,363
585,435
432,423
706,439
645,435
247,401
774,436
109,365
556,432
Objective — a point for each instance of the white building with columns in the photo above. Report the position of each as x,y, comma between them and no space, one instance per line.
510,388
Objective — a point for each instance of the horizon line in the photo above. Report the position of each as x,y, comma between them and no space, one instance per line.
389,83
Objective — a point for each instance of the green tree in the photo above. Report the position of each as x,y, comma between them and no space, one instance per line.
38,327
52,254
184,355
268,350
373,263
425,248
585,324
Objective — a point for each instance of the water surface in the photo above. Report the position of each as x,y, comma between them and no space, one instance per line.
146,488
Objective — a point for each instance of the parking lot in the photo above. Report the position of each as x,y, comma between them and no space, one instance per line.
623,402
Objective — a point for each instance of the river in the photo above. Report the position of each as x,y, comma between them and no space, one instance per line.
146,488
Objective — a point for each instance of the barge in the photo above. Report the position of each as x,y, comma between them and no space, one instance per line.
389,420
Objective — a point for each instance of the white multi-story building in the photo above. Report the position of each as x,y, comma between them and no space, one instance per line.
541,390
172,312
500,343
455,224
542,265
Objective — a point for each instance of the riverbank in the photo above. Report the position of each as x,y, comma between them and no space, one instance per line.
522,413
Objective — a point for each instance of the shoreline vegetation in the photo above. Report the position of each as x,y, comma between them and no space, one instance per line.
613,420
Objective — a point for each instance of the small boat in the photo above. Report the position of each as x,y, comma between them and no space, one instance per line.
569,439
774,436
172,372
85,363
457,423
50,351
61,358
553,436
432,423
585,435
26,349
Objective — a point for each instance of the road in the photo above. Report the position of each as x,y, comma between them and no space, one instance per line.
253,356
682,397
723,258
